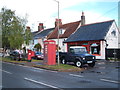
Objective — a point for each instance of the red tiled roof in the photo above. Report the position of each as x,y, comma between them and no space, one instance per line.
69,29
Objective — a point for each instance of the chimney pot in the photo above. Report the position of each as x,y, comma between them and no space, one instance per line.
82,13
40,27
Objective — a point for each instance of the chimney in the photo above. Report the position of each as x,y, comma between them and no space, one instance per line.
40,27
28,28
56,22
82,19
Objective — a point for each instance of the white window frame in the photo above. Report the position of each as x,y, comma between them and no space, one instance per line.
61,31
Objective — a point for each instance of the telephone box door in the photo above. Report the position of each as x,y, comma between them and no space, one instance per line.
49,52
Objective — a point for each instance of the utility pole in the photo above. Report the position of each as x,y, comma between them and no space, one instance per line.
58,60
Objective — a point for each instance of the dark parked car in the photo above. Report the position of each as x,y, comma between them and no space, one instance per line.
39,55
78,55
16,55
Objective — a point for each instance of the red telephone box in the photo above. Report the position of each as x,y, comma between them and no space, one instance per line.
49,52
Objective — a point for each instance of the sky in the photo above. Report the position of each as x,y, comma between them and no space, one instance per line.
46,11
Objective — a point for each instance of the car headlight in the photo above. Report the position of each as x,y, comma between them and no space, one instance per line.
83,58
93,57
39,56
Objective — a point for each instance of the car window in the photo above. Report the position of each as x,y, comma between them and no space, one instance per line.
38,53
15,52
71,50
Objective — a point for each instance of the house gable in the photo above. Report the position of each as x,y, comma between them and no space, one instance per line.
112,37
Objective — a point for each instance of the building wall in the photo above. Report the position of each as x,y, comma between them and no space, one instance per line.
63,46
119,37
41,41
102,49
36,41
30,46
111,38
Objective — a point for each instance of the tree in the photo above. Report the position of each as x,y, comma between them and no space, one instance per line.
13,30
27,36
38,47
7,17
0,30
16,37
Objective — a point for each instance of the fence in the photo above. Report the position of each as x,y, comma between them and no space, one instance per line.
112,54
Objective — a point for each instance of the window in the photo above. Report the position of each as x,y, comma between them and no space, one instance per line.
61,31
85,44
113,32
95,48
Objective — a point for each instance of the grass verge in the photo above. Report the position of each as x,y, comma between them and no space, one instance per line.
60,68
33,63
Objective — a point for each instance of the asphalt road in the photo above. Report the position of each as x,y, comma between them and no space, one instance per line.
103,75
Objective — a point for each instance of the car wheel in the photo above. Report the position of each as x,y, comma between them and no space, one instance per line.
78,64
63,61
14,58
91,64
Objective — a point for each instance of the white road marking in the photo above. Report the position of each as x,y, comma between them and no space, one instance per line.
76,75
5,71
20,65
110,81
41,83
52,71
24,66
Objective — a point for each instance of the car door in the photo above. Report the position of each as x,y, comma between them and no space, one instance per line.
71,55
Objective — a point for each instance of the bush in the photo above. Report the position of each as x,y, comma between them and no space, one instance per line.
38,47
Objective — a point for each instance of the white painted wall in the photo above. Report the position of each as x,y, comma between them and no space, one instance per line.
62,45
112,40
41,41
119,38
103,45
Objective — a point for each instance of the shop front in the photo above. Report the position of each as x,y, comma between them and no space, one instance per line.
96,48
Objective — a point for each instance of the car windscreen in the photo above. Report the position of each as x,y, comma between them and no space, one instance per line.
78,50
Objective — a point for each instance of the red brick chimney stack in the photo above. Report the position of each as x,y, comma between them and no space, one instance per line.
40,27
58,20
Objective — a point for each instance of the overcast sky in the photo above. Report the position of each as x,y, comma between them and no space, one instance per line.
45,11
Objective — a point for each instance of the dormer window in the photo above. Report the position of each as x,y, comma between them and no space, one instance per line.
61,31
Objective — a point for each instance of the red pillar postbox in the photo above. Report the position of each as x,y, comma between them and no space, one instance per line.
30,55
49,52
